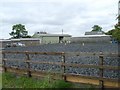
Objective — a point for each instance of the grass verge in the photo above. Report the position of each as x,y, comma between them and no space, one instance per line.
0,80
13,81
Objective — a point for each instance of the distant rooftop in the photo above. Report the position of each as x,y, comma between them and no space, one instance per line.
50,35
19,39
95,33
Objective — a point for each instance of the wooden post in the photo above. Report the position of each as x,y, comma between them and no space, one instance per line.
28,64
4,63
63,67
101,83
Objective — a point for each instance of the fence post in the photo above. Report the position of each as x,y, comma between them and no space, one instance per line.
28,64
63,67
4,63
101,83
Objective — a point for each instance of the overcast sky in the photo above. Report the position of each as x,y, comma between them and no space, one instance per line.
75,17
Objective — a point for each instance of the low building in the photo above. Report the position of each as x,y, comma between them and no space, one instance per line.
92,39
25,41
52,38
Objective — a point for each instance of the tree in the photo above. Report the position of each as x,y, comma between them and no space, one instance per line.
97,28
19,31
110,32
115,32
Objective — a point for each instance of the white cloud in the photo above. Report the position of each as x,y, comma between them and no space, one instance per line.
73,16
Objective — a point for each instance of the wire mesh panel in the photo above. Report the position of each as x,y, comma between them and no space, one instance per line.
111,74
83,71
17,56
82,60
15,60
45,62
45,58
111,61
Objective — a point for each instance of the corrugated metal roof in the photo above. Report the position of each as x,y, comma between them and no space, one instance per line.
96,36
25,39
94,33
51,35
20,39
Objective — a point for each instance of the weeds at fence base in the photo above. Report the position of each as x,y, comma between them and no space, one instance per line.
13,81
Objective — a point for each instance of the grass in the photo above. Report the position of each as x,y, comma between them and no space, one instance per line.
14,81
0,80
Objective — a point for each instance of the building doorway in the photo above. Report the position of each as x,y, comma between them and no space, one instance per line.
60,39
